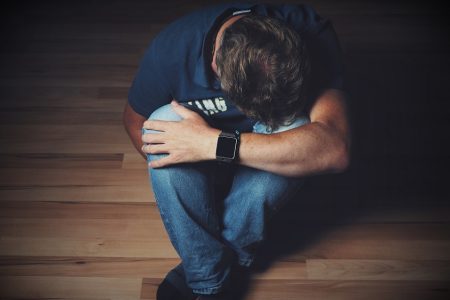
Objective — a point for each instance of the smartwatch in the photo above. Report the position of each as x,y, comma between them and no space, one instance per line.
228,146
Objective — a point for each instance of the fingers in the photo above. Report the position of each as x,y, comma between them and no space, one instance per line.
184,112
153,138
162,162
154,148
157,125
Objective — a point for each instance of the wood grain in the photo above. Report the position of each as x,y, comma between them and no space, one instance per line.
94,194
61,287
78,219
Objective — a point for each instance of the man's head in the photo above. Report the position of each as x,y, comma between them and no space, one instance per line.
263,68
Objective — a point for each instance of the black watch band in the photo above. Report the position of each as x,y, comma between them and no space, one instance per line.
228,146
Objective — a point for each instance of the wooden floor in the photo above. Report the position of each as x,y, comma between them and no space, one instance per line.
78,219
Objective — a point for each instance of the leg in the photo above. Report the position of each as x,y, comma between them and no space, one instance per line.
185,197
255,195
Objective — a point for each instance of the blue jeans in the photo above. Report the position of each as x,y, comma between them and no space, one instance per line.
209,233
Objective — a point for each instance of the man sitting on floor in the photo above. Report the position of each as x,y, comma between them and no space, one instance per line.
259,106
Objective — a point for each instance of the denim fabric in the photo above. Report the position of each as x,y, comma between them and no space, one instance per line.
210,234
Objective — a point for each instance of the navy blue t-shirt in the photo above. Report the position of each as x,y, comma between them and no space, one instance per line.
177,64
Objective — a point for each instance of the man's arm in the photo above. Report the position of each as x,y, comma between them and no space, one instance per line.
132,122
319,147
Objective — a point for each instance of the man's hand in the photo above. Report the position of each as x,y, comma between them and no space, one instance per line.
185,141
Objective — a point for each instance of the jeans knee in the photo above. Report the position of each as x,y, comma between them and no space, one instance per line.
261,128
264,189
164,113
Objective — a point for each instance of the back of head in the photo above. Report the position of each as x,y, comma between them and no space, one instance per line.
263,68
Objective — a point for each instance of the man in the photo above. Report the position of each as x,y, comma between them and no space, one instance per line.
243,101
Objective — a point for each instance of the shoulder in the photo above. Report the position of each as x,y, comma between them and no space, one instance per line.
302,17
192,25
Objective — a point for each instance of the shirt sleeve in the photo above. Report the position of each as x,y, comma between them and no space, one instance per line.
325,53
327,65
149,89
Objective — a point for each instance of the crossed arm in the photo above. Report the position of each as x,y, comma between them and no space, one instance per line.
321,146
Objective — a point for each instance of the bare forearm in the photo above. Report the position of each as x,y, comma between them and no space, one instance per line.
311,149
135,136
319,147
133,125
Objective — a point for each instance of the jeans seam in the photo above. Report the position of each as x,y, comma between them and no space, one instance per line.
166,221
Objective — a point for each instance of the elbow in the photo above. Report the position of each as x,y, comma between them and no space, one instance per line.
340,161
125,118
333,162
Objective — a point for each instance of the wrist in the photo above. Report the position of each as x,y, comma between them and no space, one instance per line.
211,145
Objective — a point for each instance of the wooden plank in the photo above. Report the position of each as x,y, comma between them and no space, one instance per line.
149,287
83,32
91,247
118,77
64,139
321,212
109,93
78,210
134,161
373,249
60,287
347,290
145,229
120,193
88,99
77,70
61,160
330,290
29,177
364,269
69,58
396,232
60,116
121,266
107,267
283,270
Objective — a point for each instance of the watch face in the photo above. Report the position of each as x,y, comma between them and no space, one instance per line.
226,147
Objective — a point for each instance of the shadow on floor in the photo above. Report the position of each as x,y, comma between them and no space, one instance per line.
299,225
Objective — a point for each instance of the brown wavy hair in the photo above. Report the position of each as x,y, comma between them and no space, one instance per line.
263,67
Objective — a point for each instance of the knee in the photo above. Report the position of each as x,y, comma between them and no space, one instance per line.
164,113
261,128
268,189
